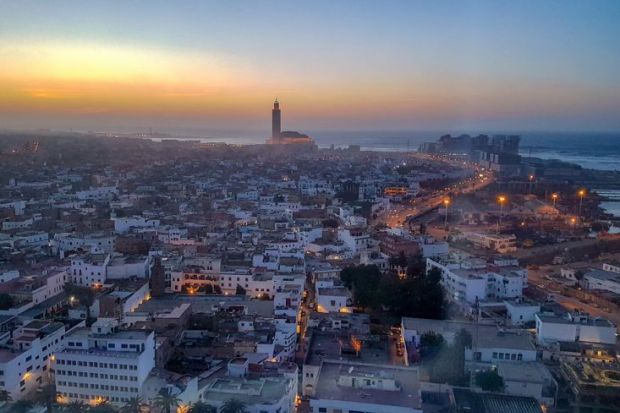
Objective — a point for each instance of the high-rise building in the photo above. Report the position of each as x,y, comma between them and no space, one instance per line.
276,126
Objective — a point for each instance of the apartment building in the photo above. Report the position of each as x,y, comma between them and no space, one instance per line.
25,364
104,363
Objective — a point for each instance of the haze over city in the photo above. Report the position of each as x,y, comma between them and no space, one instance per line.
337,65
327,206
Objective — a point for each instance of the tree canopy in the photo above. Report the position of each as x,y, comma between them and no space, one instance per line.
416,295
490,380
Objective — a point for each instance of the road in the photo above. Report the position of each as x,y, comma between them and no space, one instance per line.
541,280
397,216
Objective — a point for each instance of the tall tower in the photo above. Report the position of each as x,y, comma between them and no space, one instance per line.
275,120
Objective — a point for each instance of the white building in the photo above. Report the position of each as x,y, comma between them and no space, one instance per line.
530,379
468,282
503,244
104,363
341,386
26,363
92,243
101,193
519,312
270,394
124,224
489,344
96,269
574,327
606,280
333,300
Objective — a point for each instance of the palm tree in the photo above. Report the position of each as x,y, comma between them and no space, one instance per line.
202,407
75,407
233,406
21,406
46,395
5,396
165,400
103,407
133,405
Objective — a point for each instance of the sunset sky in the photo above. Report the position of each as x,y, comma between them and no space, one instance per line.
346,65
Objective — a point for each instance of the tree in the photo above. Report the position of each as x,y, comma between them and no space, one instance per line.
490,380
239,290
363,281
21,406
6,301
233,406
202,407
84,295
133,405
416,265
46,395
165,400
431,344
449,365
5,396
103,407
75,407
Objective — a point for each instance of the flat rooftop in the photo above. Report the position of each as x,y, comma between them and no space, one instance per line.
204,304
407,394
596,322
326,346
488,336
268,390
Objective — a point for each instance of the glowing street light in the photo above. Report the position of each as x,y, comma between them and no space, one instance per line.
531,178
581,193
554,196
500,199
446,203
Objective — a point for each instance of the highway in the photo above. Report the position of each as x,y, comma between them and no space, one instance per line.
397,216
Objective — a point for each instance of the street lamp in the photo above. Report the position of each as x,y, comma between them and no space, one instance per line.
581,193
531,178
500,199
446,203
554,196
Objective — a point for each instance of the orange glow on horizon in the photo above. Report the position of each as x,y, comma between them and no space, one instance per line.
81,80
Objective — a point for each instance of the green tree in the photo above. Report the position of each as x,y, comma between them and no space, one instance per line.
233,406
21,406
133,405
431,344
362,280
75,407
103,407
84,295
46,395
239,290
202,407
490,380
448,366
6,301
165,400
5,396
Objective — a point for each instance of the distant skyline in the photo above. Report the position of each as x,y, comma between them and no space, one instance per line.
216,67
